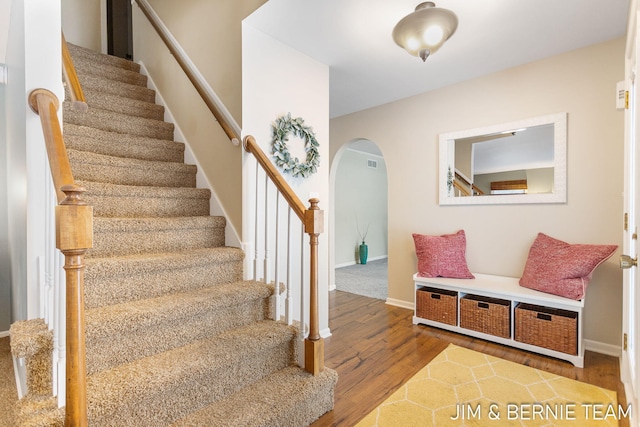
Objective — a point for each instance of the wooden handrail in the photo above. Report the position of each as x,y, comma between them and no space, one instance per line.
467,192
313,221
251,146
74,235
461,188
45,103
78,101
208,96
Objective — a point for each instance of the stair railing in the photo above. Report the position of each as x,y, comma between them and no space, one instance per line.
311,218
78,102
74,236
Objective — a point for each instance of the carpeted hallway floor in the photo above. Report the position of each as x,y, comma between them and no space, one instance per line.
8,395
369,280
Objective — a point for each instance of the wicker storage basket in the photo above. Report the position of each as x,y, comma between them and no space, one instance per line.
483,314
437,304
550,328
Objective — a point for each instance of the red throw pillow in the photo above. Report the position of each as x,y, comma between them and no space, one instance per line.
560,268
442,256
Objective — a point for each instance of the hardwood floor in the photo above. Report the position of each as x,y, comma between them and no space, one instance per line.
375,348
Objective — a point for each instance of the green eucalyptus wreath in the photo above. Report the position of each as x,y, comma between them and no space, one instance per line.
282,128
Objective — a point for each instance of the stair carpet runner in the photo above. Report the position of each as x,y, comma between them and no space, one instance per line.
174,336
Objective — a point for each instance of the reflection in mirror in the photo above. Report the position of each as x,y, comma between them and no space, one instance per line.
518,162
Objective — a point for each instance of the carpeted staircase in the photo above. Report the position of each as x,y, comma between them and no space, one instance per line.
173,334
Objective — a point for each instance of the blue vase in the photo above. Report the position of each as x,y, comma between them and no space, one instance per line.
364,252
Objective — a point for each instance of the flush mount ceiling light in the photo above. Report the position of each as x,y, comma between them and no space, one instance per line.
422,32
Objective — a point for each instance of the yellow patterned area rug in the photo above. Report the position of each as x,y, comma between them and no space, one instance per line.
462,387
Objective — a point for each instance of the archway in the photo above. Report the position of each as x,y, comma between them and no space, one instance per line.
358,180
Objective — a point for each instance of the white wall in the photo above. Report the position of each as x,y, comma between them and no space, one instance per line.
360,201
5,13
277,80
34,61
5,259
581,83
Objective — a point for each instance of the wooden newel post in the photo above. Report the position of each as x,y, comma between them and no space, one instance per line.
74,235
313,344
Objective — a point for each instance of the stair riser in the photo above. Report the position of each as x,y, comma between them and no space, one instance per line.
129,176
111,73
121,123
131,207
118,145
128,106
146,242
121,89
133,286
196,390
113,350
312,396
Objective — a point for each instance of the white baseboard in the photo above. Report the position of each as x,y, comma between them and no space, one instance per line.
602,348
347,264
400,303
4,334
325,333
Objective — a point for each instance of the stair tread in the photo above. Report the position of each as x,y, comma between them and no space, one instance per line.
120,104
115,87
118,122
124,162
98,141
71,129
118,279
109,72
127,264
107,189
276,396
78,51
133,382
104,322
113,225
137,235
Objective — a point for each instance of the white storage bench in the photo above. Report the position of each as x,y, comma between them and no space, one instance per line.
498,309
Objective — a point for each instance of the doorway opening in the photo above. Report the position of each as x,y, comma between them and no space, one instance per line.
119,29
359,188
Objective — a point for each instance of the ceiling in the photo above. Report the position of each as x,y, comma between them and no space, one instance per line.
367,68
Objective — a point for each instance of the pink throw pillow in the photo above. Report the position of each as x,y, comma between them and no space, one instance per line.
560,268
442,256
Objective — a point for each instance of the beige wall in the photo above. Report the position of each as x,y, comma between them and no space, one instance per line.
581,83
82,23
215,48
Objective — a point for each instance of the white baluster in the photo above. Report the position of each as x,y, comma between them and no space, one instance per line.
266,265
301,312
277,309
255,235
289,298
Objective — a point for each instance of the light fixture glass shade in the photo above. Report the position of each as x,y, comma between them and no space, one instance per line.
422,32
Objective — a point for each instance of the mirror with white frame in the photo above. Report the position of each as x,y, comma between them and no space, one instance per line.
524,161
